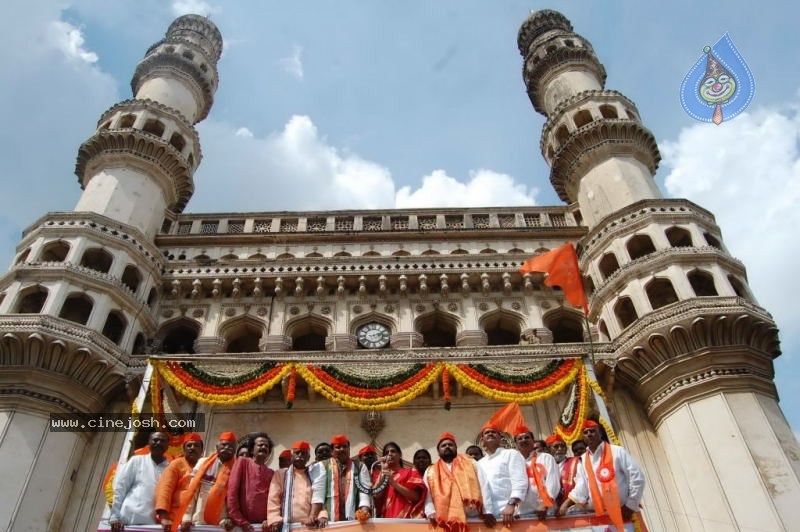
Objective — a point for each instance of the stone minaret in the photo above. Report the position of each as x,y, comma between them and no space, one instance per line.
77,306
693,348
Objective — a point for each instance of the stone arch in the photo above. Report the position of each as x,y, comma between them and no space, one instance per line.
517,251
608,111
660,292
31,300
430,252
114,328
625,312
139,344
565,324
97,259
126,121
601,326
640,245
242,334
459,251
23,256
178,336
152,297
502,327
284,256
55,251
438,328
308,332
177,141
562,134
231,256
401,253
131,277
77,308
342,254
702,283
608,264
712,240
679,237
582,117
371,316
739,288
314,255
255,256
488,251
154,127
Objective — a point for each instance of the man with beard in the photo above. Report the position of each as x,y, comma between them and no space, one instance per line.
209,486
608,480
542,473
172,488
248,486
336,486
135,486
456,488
504,470
568,466
290,492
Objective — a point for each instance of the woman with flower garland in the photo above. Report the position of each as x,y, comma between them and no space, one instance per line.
404,494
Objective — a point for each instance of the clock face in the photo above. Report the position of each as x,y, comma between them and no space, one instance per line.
373,335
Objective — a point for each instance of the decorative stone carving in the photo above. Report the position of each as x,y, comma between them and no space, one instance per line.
373,423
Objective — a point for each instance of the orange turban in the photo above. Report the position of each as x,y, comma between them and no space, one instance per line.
488,426
446,436
367,449
589,423
285,454
301,446
227,436
553,438
522,429
192,437
341,439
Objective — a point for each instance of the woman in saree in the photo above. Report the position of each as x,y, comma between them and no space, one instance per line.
404,495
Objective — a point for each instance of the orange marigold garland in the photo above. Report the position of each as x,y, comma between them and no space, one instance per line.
446,388
290,390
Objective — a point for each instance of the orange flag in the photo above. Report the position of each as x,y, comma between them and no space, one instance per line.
507,419
561,267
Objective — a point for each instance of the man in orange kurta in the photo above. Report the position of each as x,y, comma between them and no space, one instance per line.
172,489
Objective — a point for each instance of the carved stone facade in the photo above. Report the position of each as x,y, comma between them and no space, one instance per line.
682,347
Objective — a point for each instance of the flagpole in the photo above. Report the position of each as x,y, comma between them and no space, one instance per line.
592,376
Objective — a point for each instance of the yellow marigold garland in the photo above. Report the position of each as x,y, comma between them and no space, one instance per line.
366,403
582,410
217,398
509,397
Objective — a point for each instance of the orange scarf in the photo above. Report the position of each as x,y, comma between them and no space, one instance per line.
606,502
536,471
216,495
454,491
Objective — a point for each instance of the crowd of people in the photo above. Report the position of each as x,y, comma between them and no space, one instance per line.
234,487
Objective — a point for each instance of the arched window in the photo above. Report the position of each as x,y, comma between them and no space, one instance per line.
97,259
179,337
588,283
712,240
429,252
625,312
601,326
114,327
582,118
565,326
77,308
31,300
23,256
608,265
660,292
459,251
308,335
342,254
562,134
127,121
438,330
139,344
151,297
639,246
679,237
401,253
131,277
314,255
284,256
372,253
487,251
55,251
502,328
156,127
738,287
702,283
608,111
243,336
177,141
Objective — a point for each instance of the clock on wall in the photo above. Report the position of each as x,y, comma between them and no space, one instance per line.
373,335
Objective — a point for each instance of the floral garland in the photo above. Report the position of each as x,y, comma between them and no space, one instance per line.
499,390
576,409
209,393
384,374
446,388
291,387
359,398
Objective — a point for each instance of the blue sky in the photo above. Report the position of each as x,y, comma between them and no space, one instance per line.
377,104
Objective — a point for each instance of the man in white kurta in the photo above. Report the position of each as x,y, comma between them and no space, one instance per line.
628,476
135,486
549,474
504,470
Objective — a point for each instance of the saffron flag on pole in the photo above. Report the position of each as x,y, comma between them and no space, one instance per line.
561,267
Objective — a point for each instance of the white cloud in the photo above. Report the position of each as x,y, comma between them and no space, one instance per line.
69,40
747,172
193,7
244,132
485,188
293,64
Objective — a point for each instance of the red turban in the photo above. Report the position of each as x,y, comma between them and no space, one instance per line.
553,438
522,429
589,423
301,446
367,449
285,454
446,436
341,439
192,437
227,436
491,426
